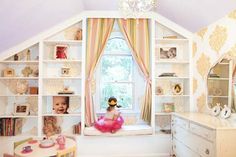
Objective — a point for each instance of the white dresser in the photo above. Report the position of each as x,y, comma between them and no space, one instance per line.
202,135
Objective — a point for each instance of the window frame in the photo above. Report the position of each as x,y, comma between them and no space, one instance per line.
120,82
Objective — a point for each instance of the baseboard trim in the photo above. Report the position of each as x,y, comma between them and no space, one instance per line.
129,155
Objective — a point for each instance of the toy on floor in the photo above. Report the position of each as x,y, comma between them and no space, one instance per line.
112,121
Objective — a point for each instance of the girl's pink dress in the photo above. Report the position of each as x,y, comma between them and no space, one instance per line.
107,124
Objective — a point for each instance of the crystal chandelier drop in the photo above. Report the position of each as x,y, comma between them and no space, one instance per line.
135,8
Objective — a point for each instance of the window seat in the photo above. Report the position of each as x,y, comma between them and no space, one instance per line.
126,130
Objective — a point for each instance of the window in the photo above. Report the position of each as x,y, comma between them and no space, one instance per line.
116,71
118,75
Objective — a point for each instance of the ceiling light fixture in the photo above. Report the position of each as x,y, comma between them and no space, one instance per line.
135,8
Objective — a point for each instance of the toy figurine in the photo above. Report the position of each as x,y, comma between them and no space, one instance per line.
79,35
61,141
16,57
28,55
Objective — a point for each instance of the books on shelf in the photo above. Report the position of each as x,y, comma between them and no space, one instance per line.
77,128
214,76
10,126
168,75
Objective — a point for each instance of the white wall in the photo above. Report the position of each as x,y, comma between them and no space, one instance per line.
99,146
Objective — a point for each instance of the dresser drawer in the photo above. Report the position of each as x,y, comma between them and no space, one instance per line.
196,143
180,122
206,133
180,150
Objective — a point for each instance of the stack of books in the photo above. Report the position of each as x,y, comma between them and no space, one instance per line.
168,75
10,126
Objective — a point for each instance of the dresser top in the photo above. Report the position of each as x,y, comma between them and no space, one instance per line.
208,120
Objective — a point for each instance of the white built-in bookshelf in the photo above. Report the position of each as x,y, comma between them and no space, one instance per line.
171,74
48,79
47,76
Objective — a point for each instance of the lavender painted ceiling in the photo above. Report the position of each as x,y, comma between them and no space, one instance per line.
21,20
190,14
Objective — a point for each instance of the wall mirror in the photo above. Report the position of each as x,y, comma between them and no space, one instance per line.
221,82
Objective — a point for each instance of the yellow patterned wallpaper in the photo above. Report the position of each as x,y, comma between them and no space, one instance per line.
210,44
232,15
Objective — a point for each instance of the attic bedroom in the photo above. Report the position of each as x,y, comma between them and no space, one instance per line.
82,78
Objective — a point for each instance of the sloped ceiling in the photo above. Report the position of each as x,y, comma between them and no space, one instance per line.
190,14
21,20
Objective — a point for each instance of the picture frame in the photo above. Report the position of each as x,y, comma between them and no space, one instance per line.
177,88
21,109
61,52
168,53
65,71
168,107
60,104
8,72
18,126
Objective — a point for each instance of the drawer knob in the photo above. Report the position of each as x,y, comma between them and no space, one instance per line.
207,151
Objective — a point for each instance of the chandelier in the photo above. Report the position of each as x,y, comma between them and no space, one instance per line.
135,8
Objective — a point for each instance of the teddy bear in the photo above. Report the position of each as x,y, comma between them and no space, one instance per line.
27,71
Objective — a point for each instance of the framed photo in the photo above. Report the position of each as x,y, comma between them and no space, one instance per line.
60,52
65,71
8,72
177,88
18,126
21,109
168,107
169,52
61,104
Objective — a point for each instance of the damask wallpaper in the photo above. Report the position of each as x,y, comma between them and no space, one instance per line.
210,44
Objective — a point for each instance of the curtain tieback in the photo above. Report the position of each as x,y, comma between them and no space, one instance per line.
89,79
149,81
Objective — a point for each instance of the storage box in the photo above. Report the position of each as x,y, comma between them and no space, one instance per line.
33,90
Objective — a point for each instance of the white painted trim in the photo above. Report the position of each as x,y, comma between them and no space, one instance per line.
40,82
84,24
130,155
153,60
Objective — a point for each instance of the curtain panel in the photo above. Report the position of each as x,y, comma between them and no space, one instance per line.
98,32
136,32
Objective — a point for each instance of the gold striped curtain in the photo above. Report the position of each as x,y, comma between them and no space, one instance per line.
98,32
136,32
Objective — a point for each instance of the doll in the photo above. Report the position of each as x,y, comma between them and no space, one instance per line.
112,121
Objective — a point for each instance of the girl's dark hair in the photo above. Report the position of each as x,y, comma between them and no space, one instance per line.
110,106
112,99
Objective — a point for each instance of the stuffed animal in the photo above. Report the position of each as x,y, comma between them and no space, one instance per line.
27,71
78,35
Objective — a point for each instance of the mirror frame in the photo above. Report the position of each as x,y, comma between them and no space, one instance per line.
208,109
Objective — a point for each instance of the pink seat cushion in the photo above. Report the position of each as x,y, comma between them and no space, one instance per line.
7,155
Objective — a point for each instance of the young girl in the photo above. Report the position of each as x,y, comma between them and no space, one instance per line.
112,121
